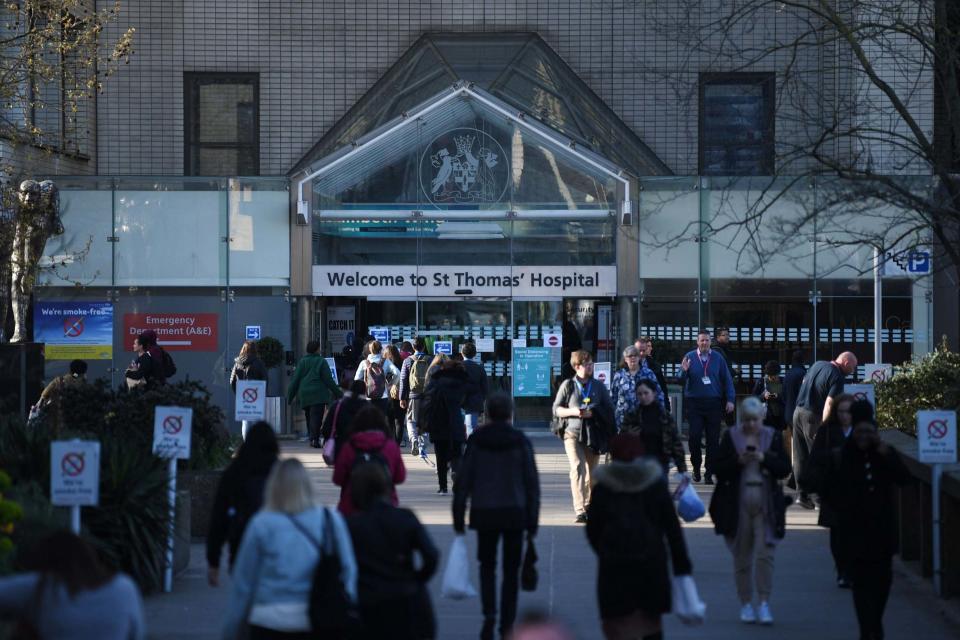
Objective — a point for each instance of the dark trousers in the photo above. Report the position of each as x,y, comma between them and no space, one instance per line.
398,420
510,587
871,587
262,633
314,414
805,425
383,404
704,416
448,455
836,550
408,618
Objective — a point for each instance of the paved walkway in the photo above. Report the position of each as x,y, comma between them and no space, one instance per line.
806,603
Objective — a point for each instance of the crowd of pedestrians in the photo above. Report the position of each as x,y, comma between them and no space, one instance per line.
360,570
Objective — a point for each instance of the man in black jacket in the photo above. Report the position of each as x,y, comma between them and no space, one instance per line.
498,475
477,393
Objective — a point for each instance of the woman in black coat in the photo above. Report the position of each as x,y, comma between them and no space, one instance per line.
240,495
651,422
441,416
859,481
629,517
748,507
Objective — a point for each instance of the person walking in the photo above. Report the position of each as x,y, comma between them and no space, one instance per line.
406,349
336,424
584,420
441,414
51,402
313,385
631,523
273,574
66,593
240,495
821,386
396,416
644,345
395,560
247,366
377,373
623,388
769,389
792,381
473,407
831,435
651,423
143,372
369,442
498,477
748,507
708,392
413,383
859,482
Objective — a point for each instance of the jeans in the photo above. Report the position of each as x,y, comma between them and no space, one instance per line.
448,455
470,422
704,416
487,555
871,587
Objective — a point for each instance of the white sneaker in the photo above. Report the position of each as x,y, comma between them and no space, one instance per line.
764,615
747,614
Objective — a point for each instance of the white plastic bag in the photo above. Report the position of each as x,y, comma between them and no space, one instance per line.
456,575
686,601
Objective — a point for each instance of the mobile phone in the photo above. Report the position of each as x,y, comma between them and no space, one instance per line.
751,448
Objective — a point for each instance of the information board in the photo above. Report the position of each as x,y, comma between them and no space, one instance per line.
531,372
601,371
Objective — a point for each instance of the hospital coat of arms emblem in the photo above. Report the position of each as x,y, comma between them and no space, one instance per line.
464,166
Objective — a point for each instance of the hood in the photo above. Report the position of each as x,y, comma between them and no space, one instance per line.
497,436
368,440
628,477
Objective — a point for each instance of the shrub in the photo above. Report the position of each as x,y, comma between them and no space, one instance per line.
270,351
932,382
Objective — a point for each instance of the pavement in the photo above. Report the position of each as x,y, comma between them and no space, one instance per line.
806,602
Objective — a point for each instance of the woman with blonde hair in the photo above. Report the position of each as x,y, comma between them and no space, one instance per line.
274,570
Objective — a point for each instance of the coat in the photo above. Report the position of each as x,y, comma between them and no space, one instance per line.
632,579
366,441
859,484
725,503
828,438
478,386
247,368
656,428
349,405
498,476
600,428
442,402
239,496
312,383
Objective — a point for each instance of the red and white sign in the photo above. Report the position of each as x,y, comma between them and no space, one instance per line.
601,371
553,339
937,436
74,473
175,331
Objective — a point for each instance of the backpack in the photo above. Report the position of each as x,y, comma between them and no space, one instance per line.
370,457
418,374
375,380
167,367
330,609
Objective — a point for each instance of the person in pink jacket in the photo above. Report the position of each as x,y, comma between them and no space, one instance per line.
369,439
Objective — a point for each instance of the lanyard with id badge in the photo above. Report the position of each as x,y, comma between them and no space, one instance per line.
706,366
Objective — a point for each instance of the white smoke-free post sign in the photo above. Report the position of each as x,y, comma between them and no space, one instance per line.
74,473
251,402
172,427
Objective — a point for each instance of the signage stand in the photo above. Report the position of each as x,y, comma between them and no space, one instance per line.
172,428
74,476
75,519
171,527
937,445
935,473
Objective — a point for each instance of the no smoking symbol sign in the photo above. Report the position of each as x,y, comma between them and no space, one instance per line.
73,327
72,464
860,395
250,395
172,425
937,429
880,375
552,341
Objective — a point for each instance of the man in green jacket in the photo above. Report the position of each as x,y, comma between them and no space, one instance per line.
313,385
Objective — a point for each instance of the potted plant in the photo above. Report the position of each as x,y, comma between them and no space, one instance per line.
270,351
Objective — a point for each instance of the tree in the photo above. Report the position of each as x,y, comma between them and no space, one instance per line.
52,62
867,113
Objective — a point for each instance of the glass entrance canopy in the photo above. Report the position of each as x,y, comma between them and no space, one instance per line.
464,152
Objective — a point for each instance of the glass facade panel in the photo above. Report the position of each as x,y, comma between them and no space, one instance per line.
83,255
259,232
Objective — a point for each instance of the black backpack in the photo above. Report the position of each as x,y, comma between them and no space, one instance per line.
167,367
370,457
332,613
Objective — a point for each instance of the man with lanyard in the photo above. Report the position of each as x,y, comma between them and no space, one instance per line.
708,392
623,389
819,390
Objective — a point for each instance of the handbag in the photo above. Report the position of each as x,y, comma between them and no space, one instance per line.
332,613
528,574
330,444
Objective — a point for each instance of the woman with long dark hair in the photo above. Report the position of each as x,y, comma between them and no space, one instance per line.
240,495
247,366
369,439
654,426
67,593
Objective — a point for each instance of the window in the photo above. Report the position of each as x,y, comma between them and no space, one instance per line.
222,124
736,124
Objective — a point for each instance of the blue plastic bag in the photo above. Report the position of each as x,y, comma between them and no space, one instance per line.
689,505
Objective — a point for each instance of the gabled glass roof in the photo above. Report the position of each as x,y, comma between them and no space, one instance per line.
519,69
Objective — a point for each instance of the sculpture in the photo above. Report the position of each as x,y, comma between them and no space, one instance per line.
35,219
